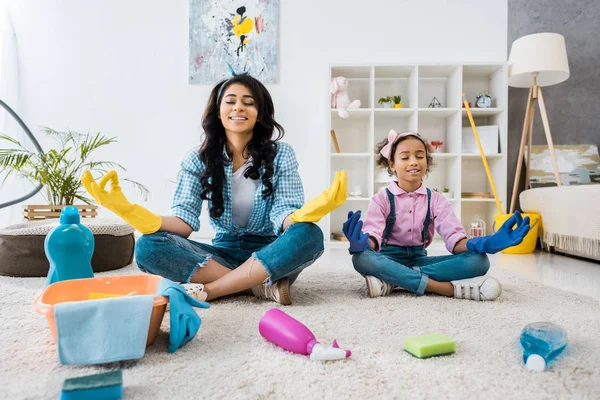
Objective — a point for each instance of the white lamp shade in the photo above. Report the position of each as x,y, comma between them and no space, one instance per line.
541,53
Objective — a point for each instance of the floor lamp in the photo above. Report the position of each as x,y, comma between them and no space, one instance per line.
535,61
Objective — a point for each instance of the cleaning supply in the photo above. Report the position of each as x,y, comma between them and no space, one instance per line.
289,333
104,386
135,215
97,296
482,153
69,248
185,322
542,342
504,238
323,204
102,331
429,345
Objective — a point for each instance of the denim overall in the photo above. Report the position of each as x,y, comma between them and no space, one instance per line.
409,267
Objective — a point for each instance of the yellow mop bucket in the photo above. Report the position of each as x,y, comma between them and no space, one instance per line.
528,243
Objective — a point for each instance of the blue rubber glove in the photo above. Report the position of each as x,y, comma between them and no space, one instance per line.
504,238
353,231
185,322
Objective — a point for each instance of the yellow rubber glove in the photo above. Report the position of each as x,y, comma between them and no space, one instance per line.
326,202
114,199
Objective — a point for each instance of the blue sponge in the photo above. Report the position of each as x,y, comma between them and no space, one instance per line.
104,386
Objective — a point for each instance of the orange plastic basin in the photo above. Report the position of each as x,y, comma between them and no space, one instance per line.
78,290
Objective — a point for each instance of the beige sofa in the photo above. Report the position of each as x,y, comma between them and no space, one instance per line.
570,218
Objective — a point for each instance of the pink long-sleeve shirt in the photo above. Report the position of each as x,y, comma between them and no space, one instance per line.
411,209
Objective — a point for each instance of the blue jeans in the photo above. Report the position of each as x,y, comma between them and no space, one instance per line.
410,268
178,259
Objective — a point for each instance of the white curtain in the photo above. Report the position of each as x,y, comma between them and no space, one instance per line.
9,93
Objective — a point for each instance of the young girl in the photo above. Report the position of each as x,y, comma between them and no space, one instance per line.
400,224
264,235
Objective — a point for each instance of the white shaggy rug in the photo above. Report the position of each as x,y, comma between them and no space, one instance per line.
229,358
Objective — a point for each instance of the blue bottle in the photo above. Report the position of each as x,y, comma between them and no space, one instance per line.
69,248
542,342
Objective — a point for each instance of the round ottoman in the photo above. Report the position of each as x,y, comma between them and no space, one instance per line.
22,246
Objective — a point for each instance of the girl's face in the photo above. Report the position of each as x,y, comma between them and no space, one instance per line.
237,110
410,161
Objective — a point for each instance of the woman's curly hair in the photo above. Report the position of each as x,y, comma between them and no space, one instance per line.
383,162
262,147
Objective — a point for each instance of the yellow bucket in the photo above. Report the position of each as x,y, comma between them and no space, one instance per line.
528,243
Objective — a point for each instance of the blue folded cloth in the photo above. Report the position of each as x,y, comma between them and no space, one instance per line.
185,322
102,331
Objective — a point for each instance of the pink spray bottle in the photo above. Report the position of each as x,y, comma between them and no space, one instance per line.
279,328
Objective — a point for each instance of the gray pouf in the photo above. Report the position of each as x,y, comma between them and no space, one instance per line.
22,246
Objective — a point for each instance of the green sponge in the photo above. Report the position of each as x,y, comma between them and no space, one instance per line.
104,386
429,345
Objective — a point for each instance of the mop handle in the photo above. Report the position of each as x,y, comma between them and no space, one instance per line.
485,164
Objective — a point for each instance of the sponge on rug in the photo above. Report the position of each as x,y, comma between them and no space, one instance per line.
429,345
104,386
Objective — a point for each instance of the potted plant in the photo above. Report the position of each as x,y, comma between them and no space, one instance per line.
446,193
386,101
397,101
59,170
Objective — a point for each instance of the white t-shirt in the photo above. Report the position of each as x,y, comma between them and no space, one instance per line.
242,195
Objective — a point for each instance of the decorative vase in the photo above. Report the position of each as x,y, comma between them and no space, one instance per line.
40,212
447,195
387,105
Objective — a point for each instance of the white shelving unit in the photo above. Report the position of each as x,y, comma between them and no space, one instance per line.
418,85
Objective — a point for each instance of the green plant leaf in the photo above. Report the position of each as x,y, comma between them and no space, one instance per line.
143,189
60,169
11,140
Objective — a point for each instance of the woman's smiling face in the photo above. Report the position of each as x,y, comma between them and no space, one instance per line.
237,110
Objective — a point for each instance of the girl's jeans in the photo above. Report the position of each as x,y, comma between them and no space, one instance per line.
178,258
410,268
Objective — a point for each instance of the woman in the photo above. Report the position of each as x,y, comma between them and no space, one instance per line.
264,235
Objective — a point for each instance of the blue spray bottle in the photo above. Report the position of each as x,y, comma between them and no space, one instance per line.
69,248
542,342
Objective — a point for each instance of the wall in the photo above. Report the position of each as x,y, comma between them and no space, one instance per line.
572,106
121,68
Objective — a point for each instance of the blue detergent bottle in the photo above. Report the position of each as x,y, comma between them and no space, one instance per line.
69,248
542,342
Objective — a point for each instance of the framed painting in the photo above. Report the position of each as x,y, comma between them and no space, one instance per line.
230,37
577,165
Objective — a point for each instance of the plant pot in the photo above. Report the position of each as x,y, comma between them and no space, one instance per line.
387,105
397,105
447,195
39,212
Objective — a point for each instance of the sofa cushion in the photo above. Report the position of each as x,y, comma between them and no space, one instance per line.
22,246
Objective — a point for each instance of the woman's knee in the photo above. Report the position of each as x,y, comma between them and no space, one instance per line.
146,250
311,236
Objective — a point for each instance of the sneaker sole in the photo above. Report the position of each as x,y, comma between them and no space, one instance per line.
283,287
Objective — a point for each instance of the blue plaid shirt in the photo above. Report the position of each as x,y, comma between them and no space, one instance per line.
266,217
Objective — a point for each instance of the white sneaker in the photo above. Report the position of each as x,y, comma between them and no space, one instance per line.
482,288
194,290
376,287
278,291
